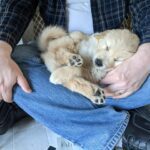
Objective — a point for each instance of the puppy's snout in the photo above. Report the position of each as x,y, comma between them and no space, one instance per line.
98,62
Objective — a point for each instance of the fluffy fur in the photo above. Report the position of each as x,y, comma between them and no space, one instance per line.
78,61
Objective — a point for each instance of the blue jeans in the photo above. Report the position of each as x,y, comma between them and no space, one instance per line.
70,114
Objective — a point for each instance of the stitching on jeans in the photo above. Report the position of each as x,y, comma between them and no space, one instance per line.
114,139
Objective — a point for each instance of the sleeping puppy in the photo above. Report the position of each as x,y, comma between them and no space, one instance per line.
78,61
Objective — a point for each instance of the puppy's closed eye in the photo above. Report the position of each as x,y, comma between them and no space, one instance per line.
119,59
131,52
107,48
115,59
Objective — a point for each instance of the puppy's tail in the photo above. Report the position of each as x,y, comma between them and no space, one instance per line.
48,34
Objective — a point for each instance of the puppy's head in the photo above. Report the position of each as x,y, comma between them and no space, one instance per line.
111,48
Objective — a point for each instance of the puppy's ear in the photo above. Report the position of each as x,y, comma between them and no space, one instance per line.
100,35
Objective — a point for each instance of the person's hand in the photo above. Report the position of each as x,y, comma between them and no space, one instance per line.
128,77
10,74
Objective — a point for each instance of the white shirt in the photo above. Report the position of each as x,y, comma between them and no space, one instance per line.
79,16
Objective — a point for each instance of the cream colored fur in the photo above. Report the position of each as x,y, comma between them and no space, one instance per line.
71,57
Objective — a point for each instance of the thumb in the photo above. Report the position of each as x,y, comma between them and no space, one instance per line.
107,80
22,82
110,78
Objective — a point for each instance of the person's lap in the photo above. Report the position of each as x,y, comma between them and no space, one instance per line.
70,114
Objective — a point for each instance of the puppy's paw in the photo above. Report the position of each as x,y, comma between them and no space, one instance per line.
76,60
55,78
98,97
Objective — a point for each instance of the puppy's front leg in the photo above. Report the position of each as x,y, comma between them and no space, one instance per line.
68,58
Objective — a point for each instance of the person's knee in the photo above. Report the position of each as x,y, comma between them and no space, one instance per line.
26,52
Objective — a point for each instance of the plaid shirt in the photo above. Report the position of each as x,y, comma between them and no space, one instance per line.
107,14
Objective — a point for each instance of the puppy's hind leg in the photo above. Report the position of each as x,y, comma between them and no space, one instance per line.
87,89
71,77
64,74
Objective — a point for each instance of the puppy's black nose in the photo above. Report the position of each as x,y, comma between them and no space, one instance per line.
98,62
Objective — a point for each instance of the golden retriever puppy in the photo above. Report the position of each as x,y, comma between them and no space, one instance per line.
60,48
78,61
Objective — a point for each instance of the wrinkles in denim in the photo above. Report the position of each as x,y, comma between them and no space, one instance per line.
70,114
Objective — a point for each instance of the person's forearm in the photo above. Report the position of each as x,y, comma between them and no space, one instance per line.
15,16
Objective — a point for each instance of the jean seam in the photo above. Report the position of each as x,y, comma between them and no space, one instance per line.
115,139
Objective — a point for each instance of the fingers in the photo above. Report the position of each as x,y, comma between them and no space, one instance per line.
110,79
7,94
117,87
22,82
118,94
130,90
121,93
1,97
11,74
6,89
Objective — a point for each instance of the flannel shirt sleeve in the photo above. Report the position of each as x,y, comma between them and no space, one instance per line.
15,15
140,14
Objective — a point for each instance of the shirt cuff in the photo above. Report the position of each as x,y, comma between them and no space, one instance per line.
145,37
9,39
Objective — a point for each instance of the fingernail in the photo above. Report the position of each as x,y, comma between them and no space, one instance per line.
29,90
